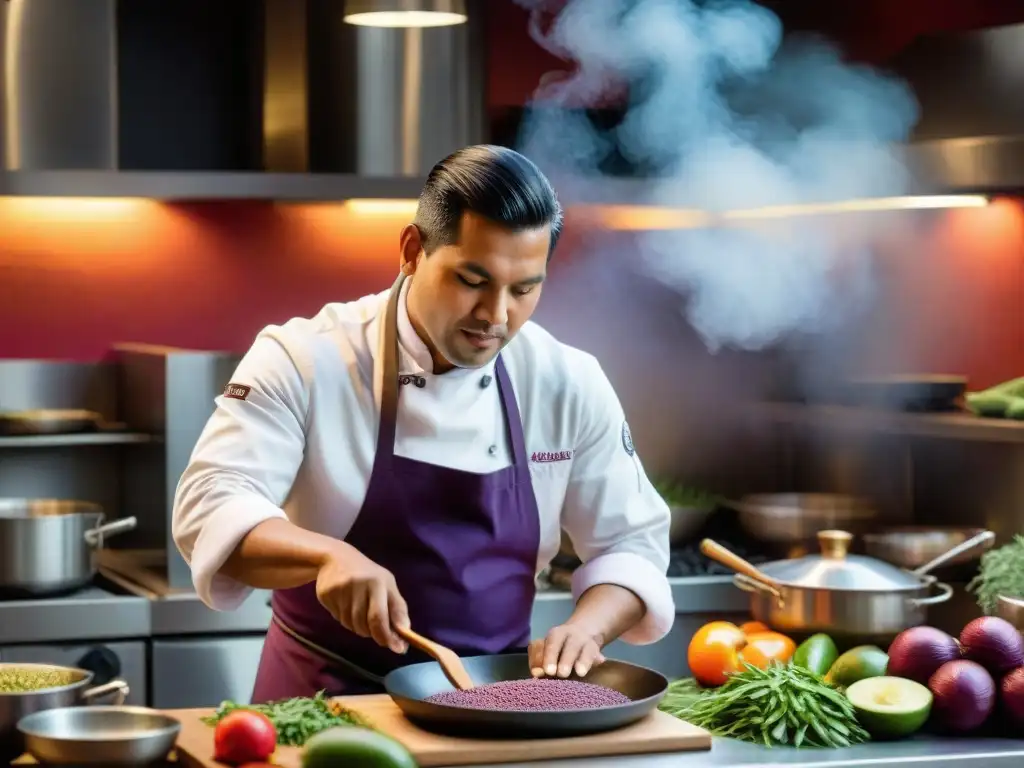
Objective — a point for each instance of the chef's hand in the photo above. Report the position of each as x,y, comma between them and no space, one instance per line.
362,596
566,648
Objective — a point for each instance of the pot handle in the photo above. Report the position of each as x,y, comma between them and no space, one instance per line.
945,592
748,584
118,688
94,536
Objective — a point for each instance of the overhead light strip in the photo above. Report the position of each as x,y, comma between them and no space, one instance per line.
649,217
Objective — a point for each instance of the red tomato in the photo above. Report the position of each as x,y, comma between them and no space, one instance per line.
244,737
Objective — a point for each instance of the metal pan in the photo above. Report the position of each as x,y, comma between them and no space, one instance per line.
52,421
796,518
410,685
913,546
112,736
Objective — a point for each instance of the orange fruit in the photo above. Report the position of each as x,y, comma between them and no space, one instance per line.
751,627
762,648
714,652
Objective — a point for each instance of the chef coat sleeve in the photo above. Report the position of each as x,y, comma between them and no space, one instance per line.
243,465
617,521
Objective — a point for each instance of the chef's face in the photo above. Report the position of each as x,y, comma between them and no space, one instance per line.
468,300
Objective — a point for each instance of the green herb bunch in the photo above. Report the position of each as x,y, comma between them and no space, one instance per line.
777,706
1001,572
296,720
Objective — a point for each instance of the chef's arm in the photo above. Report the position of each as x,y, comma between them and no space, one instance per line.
606,611
278,554
617,522
240,473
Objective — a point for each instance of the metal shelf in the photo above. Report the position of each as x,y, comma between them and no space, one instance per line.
950,426
202,185
83,439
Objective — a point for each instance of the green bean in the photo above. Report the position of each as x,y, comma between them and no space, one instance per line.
778,705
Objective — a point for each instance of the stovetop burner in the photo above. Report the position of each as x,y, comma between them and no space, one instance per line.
690,561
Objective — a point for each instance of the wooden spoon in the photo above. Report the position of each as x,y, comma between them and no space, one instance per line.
450,662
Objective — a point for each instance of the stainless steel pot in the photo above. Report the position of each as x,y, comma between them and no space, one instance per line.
849,597
15,706
49,546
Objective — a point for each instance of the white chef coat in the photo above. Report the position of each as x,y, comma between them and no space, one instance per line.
297,438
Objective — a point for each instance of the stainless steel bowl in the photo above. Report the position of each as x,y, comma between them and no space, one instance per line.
913,546
796,518
112,736
1011,609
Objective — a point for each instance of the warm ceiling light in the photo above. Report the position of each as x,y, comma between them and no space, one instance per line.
405,13
382,207
907,203
645,218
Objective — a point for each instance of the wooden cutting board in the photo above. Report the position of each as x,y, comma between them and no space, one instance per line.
657,733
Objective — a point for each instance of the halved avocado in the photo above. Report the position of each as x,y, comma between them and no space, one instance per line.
890,707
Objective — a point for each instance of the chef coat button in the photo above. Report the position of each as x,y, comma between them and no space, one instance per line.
485,382
492,450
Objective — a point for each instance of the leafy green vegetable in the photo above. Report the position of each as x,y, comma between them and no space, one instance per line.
679,495
777,706
296,720
1001,572
680,696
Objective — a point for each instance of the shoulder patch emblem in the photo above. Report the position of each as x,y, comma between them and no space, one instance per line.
237,391
627,439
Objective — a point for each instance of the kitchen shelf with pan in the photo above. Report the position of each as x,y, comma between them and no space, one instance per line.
949,426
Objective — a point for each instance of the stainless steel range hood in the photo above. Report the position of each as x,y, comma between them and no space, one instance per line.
970,137
346,111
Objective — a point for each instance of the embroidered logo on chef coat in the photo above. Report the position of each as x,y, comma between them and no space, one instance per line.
627,439
548,457
237,391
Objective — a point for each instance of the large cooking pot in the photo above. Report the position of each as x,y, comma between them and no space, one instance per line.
14,706
853,598
48,546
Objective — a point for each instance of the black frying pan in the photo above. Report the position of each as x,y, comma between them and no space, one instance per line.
410,685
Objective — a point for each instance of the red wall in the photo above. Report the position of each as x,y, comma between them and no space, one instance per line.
76,276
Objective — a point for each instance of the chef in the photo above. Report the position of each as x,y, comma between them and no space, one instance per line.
410,458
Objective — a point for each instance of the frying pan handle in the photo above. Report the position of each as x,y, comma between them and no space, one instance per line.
979,541
945,592
748,584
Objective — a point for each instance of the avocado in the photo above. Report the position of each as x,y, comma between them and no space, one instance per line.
817,654
355,747
858,664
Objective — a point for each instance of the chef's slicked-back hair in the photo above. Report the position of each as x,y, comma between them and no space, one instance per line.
494,182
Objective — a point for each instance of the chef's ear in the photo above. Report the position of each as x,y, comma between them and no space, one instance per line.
412,248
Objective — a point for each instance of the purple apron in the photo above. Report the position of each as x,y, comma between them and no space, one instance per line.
462,547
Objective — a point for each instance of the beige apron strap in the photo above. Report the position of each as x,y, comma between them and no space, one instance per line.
327,655
386,344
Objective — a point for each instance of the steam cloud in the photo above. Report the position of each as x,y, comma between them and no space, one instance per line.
726,115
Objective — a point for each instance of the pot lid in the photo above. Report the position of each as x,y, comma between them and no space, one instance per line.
835,568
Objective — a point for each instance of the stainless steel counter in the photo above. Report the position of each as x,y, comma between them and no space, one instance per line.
961,753
92,614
